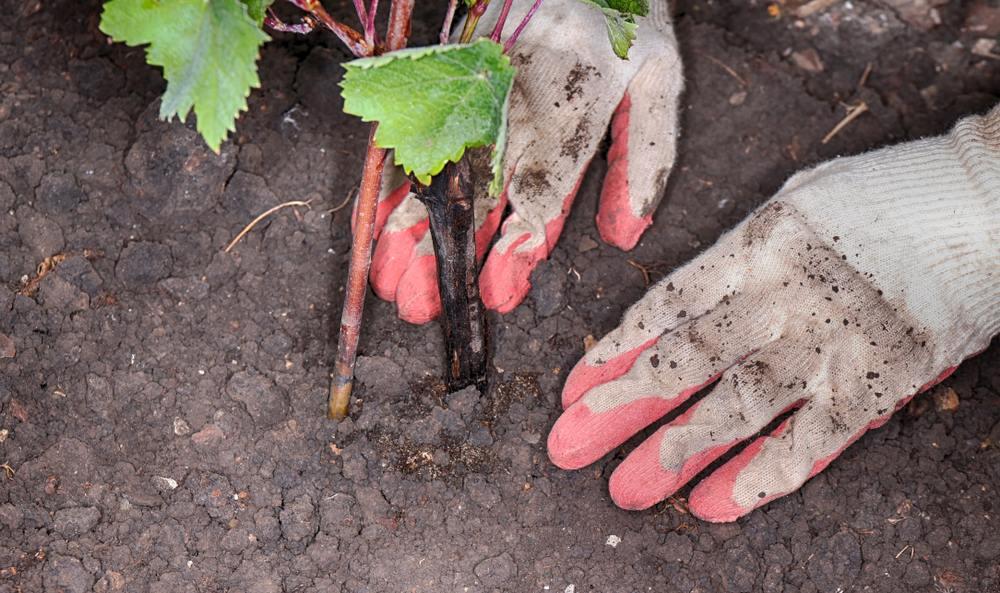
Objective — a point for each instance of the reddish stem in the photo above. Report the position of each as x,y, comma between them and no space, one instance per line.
448,18
521,26
357,280
361,246
498,28
370,23
354,41
399,24
359,9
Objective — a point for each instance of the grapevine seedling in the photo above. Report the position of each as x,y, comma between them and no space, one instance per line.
441,110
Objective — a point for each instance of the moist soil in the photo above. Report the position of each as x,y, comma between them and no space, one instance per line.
161,402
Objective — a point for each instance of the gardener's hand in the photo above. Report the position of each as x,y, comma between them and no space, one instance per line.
569,86
864,281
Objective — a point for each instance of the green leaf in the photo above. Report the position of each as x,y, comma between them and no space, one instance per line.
432,103
208,50
620,16
633,7
257,9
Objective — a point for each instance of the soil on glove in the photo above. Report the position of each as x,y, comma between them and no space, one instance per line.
161,402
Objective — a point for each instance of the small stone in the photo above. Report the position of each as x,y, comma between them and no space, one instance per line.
589,341
586,244
181,427
738,98
209,435
613,541
946,400
985,48
808,60
164,483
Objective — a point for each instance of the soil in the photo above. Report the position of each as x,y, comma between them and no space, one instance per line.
161,402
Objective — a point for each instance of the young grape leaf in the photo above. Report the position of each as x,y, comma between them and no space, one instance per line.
257,9
620,18
208,51
432,103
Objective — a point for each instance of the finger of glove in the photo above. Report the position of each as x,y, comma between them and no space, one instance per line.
643,149
405,229
664,376
417,297
747,397
780,463
576,84
505,279
773,466
709,281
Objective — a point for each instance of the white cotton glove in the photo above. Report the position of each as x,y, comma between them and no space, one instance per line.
569,87
862,282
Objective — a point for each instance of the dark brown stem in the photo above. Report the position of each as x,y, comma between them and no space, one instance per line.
361,246
357,280
450,208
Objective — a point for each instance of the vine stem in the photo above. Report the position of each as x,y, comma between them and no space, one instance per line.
354,41
476,12
498,28
339,399
370,32
446,25
357,281
520,27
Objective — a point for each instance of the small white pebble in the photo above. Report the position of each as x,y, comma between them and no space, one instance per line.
165,482
613,541
570,589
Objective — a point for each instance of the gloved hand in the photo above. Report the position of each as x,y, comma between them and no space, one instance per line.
569,86
862,282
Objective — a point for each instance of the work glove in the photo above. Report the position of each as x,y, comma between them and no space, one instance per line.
861,283
569,86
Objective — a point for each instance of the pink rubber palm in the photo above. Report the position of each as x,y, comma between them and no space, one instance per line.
569,88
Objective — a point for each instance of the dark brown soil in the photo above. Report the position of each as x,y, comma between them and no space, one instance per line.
162,417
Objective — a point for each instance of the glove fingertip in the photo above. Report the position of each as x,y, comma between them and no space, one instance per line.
617,222
581,436
417,298
640,481
505,278
713,498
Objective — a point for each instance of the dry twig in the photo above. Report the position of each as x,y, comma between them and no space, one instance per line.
261,217
853,112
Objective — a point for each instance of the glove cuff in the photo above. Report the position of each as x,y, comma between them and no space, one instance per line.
921,221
